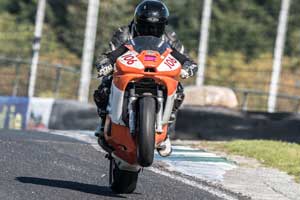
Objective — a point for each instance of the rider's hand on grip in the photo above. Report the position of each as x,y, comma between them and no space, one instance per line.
188,69
104,67
184,74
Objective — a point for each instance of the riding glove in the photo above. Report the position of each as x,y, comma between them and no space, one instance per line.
104,67
189,69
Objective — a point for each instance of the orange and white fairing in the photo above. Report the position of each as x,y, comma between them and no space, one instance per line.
132,67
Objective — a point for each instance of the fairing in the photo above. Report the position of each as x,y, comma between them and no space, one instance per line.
147,58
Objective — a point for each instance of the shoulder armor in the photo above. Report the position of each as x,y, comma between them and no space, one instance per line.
171,38
120,37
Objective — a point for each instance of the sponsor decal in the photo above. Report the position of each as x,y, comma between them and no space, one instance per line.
21,113
13,112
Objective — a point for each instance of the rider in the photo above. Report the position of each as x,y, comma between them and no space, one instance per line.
150,19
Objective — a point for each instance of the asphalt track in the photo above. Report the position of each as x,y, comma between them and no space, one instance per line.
35,166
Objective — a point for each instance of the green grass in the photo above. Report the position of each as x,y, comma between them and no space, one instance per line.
281,155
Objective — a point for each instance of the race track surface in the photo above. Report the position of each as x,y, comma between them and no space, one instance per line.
38,166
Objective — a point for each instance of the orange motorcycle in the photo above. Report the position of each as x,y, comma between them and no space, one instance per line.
142,97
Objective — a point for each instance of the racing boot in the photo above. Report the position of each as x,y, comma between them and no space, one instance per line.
177,103
100,129
164,149
101,98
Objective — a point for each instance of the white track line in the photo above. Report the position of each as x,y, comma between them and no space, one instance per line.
210,189
195,154
195,184
182,148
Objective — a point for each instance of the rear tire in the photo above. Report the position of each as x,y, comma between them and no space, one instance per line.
146,131
123,182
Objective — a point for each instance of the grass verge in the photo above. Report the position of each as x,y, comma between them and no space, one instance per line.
281,155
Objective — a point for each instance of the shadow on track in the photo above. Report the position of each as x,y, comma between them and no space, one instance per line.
81,187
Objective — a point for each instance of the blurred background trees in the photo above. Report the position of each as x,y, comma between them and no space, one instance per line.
241,43
248,27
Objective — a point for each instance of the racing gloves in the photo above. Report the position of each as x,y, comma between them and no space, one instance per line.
189,69
104,67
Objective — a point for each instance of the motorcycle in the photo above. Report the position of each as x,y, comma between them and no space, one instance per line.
141,101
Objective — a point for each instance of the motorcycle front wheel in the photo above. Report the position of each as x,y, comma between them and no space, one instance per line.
146,131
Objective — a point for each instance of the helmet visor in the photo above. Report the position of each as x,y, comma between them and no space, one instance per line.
144,28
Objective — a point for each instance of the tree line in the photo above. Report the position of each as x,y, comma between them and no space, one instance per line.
247,27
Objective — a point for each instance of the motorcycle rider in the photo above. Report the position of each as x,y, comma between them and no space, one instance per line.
150,19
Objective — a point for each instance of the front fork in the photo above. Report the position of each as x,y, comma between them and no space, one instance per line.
159,114
132,110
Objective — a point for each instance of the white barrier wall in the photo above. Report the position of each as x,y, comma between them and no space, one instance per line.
39,112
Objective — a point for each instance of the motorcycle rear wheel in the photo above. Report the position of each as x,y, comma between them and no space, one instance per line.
123,182
146,131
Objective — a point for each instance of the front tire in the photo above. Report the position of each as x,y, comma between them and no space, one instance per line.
146,131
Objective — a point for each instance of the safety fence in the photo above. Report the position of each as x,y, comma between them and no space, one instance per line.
53,80
250,97
62,82
252,85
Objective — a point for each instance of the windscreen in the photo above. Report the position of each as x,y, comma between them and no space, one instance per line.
142,43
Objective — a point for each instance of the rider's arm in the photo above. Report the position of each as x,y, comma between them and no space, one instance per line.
115,54
106,62
171,37
179,56
187,64
120,37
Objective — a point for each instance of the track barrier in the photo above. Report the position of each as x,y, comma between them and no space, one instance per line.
193,123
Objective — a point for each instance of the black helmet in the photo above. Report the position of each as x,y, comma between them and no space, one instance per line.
150,18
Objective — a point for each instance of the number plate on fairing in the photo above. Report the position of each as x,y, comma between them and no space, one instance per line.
130,59
169,64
